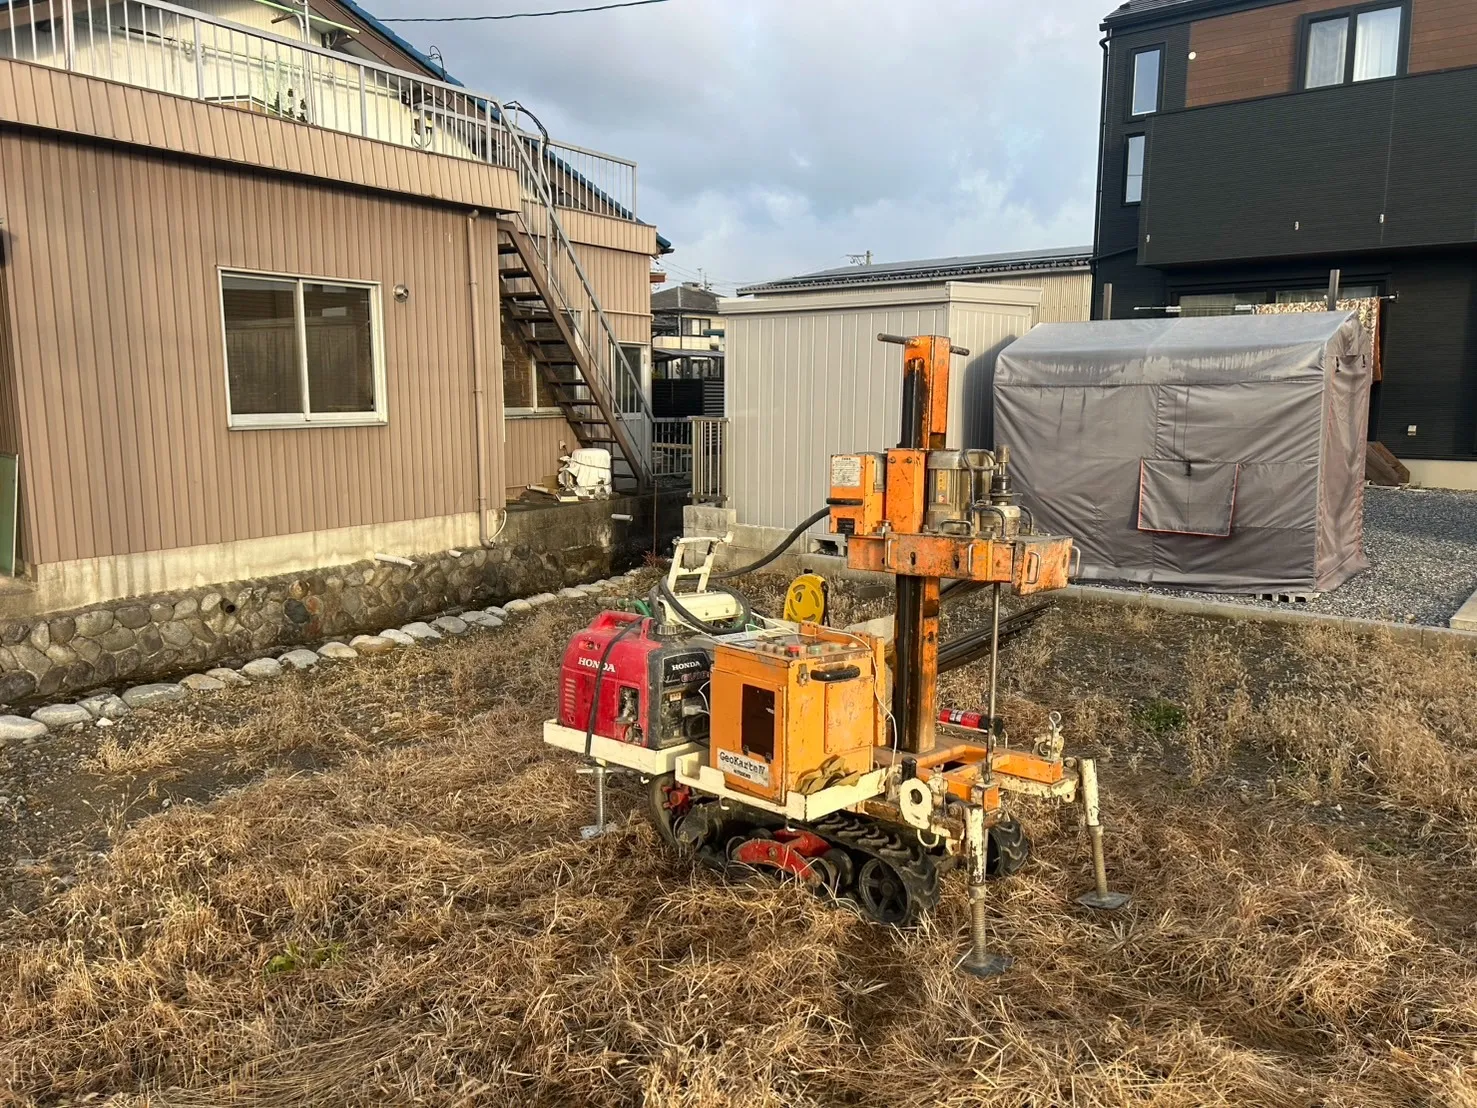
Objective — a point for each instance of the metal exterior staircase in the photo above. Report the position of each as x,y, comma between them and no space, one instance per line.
576,349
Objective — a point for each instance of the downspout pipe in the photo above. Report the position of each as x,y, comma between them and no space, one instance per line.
1102,154
479,375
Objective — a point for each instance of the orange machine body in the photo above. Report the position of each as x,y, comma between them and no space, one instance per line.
795,712
856,502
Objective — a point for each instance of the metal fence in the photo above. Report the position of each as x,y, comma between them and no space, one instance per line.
690,451
177,50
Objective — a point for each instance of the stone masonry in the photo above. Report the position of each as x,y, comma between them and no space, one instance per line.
145,637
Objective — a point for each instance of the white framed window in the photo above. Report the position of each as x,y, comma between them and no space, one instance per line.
302,351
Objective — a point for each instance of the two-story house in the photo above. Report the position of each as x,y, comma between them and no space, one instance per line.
687,351
259,286
1250,147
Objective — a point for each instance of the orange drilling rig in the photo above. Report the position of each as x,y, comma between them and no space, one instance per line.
823,754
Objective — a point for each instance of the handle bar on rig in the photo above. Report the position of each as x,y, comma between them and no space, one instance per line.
901,340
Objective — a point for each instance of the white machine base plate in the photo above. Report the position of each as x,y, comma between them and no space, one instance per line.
693,770
652,763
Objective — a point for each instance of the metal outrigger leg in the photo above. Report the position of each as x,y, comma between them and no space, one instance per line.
979,961
599,771
1101,896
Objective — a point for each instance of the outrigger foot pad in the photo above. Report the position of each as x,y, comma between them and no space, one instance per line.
989,965
1104,902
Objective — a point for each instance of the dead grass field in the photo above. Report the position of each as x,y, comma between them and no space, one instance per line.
414,920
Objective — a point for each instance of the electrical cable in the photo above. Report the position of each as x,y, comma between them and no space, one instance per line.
518,15
814,518
600,677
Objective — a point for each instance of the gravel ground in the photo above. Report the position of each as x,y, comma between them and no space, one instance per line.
1422,549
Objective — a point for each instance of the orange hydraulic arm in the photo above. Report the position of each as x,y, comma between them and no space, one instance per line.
918,512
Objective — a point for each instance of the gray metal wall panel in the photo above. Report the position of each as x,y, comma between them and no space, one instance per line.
803,386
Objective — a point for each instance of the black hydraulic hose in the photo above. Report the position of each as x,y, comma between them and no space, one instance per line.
600,676
973,645
665,591
814,518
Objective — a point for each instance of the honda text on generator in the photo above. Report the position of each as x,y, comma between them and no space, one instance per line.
823,754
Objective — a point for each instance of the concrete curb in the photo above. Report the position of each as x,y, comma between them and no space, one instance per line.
1225,609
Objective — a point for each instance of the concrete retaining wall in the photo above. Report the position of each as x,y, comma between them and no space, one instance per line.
541,548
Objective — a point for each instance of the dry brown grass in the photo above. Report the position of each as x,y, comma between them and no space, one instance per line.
421,924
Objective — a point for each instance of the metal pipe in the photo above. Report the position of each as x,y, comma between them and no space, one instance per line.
994,660
902,340
479,392
594,830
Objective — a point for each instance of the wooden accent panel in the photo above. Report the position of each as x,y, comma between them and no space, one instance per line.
533,447
1443,35
1247,54
37,96
115,318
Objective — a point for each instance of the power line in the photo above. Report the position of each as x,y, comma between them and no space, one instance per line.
519,15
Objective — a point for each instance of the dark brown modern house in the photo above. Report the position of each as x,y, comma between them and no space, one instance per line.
1250,147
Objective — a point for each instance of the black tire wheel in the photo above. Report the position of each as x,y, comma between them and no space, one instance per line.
881,893
1006,849
838,862
666,803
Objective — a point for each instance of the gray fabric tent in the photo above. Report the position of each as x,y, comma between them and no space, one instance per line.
1220,453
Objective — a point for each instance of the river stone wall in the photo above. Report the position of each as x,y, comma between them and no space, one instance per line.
133,640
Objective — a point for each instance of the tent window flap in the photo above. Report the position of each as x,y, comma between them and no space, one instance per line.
1180,497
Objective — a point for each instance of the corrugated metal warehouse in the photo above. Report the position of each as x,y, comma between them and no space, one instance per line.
807,377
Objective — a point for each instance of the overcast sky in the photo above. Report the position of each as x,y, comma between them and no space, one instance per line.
777,136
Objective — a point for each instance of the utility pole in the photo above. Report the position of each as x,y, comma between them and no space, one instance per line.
860,259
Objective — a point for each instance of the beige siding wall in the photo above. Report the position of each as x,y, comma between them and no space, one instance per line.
621,280
1064,299
114,306
533,446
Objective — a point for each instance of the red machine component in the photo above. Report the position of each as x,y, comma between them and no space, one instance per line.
793,851
653,692
975,721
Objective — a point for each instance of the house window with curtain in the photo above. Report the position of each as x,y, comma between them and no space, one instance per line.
302,351
1352,46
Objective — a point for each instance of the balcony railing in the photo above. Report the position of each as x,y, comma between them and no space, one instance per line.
689,451
156,45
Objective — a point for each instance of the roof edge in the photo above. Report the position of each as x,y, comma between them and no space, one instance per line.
400,42
1177,13
923,276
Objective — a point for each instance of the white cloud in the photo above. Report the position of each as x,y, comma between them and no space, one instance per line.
777,136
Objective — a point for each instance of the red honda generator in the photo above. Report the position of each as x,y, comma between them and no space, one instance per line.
655,689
